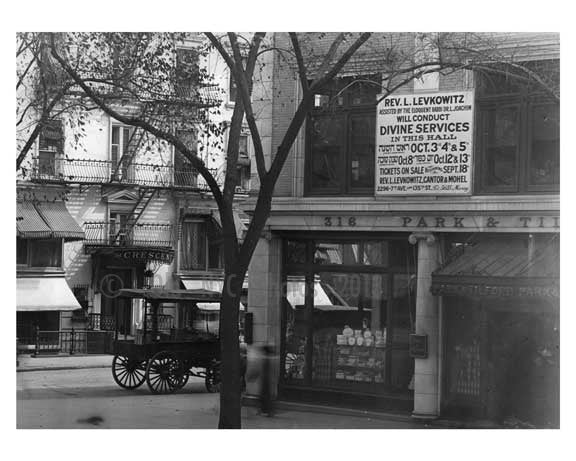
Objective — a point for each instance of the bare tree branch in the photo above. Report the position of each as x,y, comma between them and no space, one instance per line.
302,73
135,121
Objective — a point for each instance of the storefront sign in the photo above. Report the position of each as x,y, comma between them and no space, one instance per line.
147,255
424,144
418,346
549,291
432,223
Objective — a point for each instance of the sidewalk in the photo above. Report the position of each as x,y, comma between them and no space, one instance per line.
290,414
62,362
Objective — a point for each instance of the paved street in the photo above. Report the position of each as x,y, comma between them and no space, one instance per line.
89,398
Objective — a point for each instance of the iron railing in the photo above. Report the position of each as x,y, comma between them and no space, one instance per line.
104,233
84,171
66,342
101,322
108,322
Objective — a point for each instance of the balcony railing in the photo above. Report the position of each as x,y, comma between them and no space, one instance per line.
84,171
141,235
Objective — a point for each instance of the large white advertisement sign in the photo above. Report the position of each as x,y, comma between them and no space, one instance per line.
424,144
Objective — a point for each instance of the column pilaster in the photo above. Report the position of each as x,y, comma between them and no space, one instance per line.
427,371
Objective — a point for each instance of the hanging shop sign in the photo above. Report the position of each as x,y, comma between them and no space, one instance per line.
424,144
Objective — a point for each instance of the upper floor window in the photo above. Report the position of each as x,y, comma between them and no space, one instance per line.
232,87
341,138
243,165
200,245
518,135
50,147
184,173
187,74
120,140
39,252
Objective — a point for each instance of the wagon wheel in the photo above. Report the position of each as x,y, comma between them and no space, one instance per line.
180,374
164,373
213,379
128,373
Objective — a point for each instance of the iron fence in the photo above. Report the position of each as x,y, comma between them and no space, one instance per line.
88,171
66,342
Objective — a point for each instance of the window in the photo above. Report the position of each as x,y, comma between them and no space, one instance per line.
200,245
232,90
50,148
518,135
243,165
348,311
184,173
119,149
39,253
118,230
340,138
232,87
187,71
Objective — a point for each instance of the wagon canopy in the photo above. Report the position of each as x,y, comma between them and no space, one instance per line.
161,295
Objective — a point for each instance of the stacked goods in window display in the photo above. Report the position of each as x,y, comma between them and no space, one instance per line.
360,355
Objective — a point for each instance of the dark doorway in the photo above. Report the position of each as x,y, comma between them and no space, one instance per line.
115,309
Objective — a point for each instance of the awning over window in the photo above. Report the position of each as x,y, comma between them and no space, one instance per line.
29,224
46,220
212,285
240,218
501,268
61,222
44,294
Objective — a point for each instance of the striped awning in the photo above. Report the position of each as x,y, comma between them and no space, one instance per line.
40,220
35,294
61,222
29,224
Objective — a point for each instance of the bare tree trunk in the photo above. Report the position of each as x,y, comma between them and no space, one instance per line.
230,393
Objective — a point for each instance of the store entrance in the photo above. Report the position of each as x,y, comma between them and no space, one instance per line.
502,361
116,310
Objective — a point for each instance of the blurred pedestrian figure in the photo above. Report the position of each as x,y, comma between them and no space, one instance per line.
266,402
260,369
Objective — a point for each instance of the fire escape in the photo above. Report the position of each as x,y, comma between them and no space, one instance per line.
123,169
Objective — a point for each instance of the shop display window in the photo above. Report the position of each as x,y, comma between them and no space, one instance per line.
349,330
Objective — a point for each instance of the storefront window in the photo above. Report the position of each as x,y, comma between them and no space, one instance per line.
349,329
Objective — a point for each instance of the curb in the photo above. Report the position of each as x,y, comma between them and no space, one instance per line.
67,367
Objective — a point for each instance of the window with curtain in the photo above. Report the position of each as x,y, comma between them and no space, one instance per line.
200,246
